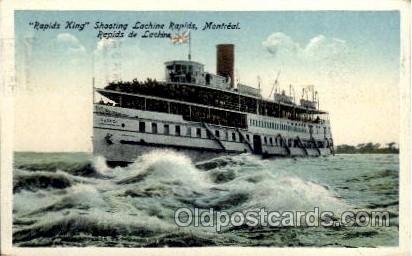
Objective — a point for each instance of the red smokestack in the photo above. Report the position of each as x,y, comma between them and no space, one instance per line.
225,61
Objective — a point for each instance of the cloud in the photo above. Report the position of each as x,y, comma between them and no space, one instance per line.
321,47
104,43
69,43
67,57
321,56
107,45
279,43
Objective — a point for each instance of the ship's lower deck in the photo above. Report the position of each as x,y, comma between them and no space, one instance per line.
121,136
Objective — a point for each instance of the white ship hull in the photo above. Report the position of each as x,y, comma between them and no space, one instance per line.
121,135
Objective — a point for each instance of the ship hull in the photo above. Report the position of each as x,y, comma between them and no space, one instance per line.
123,152
120,154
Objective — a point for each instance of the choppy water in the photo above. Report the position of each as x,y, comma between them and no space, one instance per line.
72,199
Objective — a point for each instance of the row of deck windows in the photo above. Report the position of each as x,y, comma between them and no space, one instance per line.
178,131
166,129
296,127
267,140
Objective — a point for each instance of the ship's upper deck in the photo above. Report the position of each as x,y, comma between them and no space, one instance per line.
228,98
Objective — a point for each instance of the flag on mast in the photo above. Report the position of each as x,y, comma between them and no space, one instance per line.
180,38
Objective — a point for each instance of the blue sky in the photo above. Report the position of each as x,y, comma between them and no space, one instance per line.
372,36
351,56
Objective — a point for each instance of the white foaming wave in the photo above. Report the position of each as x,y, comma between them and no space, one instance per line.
78,195
88,194
167,165
289,193
270,187
28,201
99,164
274,190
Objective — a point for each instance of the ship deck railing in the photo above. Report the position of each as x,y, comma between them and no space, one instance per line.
234,92
304,120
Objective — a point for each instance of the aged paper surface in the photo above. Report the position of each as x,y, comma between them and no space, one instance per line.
212,128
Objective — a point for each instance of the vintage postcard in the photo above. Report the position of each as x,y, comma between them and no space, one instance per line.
210,129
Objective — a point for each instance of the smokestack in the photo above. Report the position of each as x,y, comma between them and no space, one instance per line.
225,61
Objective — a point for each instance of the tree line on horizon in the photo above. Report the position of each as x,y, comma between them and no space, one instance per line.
368,148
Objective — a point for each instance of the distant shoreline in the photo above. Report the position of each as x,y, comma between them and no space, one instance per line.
367,148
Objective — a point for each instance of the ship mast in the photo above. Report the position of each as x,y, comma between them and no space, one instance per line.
93,78
260,96
275,84
190,47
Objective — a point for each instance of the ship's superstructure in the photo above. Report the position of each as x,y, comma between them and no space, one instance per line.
204,115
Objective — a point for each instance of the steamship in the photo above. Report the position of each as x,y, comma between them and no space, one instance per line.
205,115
